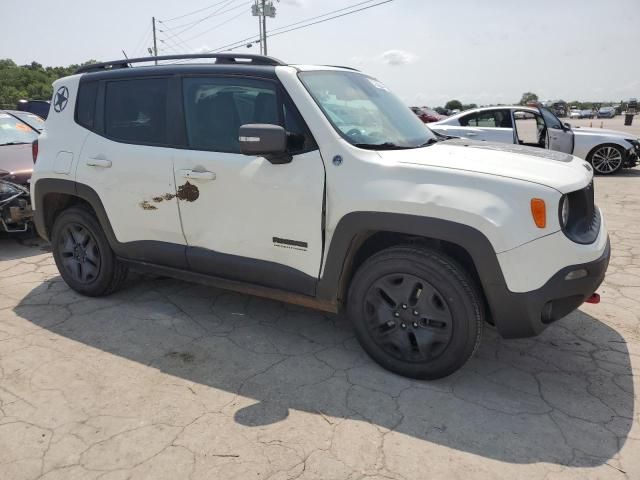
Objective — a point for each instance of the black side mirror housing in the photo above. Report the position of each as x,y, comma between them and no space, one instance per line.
567,125
265,140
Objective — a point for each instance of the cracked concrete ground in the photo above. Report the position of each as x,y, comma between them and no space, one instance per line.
169,380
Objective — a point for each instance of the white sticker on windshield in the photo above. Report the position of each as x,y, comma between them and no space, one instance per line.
378,84
5,115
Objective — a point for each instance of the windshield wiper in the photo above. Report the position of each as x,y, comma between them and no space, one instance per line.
13,143
381,146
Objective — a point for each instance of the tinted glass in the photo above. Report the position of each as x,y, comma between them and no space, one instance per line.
13,131
491,118
550,119
364,111
136,111
86,104
215,108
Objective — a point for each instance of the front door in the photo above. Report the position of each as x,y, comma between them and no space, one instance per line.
243,217
560,137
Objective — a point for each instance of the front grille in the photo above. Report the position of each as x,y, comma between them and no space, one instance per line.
583,224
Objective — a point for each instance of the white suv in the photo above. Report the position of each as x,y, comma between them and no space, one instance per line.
314,185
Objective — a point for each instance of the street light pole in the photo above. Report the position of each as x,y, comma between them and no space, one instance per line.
155,45
264,29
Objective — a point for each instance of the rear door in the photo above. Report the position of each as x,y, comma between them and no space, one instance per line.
560,138
245,218
127,161
488,125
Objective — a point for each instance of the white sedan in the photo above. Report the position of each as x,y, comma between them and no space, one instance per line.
608,151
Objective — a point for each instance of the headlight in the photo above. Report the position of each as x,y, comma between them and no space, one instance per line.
8,189
634,142
564,210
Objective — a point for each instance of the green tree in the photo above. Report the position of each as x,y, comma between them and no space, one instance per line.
528,97
453,105
32,81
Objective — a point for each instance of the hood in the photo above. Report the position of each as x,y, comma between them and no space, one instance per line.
16,163
603,132
561,171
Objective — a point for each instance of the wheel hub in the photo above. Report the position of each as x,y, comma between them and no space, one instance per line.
408,317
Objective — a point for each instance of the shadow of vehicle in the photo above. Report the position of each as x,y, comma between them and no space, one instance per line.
565,397
16,246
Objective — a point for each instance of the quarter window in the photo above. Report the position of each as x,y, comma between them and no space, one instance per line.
86,105
136,111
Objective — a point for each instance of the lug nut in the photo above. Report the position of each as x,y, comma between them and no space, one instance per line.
404,306
416,313
403,325
396,314
415,324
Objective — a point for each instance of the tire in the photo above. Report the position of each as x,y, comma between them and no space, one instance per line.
606,159
427,344
83,255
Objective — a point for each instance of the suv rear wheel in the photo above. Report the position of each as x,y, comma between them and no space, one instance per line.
416,312
83,255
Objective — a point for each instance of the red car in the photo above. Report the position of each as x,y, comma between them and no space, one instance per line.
427,115
16,158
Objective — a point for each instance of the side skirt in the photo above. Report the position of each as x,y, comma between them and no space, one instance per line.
237,286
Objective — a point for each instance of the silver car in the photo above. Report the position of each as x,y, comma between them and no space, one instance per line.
608,151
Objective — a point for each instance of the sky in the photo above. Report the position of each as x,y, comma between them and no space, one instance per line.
427,51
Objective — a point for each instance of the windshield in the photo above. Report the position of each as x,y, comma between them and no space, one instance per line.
31,119
364,111
13,131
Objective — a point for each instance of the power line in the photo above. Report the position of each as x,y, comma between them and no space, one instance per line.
219,12
194,12
327,19
217,26
198,22
286,28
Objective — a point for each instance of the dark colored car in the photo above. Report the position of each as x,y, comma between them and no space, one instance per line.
39,107
16,157
427,115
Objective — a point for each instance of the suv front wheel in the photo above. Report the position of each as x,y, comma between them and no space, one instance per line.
416,312
83,255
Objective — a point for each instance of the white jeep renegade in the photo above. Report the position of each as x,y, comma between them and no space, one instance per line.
317,186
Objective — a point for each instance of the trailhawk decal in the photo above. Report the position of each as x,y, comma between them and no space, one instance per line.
291,244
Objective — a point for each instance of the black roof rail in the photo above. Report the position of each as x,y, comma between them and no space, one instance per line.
221,58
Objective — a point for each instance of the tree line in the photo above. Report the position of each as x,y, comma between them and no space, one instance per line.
29,82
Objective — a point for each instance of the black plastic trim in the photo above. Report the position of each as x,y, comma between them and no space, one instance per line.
250,270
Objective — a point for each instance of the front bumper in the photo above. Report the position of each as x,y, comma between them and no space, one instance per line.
526,314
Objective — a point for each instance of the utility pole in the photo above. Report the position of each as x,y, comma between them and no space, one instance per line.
263,9
155,45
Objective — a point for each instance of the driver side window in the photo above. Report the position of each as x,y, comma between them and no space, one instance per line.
216,107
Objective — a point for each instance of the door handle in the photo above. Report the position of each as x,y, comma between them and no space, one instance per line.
195,175
99,162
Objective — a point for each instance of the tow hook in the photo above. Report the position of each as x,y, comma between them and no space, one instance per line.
594,298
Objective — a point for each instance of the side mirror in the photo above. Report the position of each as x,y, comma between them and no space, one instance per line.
265,140
567,125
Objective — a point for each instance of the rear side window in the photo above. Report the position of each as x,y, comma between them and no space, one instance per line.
136,111
86,104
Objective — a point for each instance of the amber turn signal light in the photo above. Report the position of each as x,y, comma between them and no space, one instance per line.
539,212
